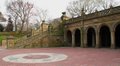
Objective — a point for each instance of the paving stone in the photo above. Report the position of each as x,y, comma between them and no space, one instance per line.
75,56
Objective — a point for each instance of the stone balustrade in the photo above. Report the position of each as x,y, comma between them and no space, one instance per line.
95,15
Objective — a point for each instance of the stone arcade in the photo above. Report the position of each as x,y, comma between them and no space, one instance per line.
98,29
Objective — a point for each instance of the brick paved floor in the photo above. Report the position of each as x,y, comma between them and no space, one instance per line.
76,56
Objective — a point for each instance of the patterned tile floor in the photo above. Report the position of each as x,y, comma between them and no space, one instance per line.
20,58
76,56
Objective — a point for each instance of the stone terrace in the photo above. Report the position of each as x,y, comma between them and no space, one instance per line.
76,56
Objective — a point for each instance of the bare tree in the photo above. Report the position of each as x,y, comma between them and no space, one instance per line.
14,18
2,18
41,14
75,7
108,3
88,6
21,10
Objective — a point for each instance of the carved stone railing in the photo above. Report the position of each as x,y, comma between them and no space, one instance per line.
31,40
20,39
106,12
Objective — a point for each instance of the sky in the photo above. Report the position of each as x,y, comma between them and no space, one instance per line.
54,7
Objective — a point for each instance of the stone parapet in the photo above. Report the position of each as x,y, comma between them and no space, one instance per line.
98,14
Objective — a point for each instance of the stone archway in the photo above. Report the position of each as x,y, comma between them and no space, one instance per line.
1,28
91,37
69,38
117,36
77,38
105,37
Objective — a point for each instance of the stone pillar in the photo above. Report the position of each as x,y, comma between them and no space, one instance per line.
73,39
97,39
65,39
82,37
65,35
10,42
85,39
112,39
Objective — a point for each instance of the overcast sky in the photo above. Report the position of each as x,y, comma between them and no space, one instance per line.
54,7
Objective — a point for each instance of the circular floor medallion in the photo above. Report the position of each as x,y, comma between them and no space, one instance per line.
40,58
36,57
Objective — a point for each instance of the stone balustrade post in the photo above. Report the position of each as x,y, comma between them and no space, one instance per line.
97,39
73,39
112,39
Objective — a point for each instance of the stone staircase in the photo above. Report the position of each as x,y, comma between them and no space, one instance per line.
31,42
47,38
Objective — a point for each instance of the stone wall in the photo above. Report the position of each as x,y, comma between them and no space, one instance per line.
43,28
41,40
109,18
5,41
52,41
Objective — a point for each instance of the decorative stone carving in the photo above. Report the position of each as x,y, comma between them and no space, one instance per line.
9,27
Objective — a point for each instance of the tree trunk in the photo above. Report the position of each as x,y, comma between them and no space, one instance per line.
15,25
21,27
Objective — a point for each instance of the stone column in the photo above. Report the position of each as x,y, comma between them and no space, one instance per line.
85,39
10,42
65,36
82,37
65,39
112,39
73,39
97,39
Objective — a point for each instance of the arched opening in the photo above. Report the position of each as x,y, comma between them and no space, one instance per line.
1,28
105,38
117,36
69,38
91,39
77,38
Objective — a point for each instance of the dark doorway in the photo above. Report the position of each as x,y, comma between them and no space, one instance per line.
77,38
105,38
91,39
69,38
1,28
117,36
